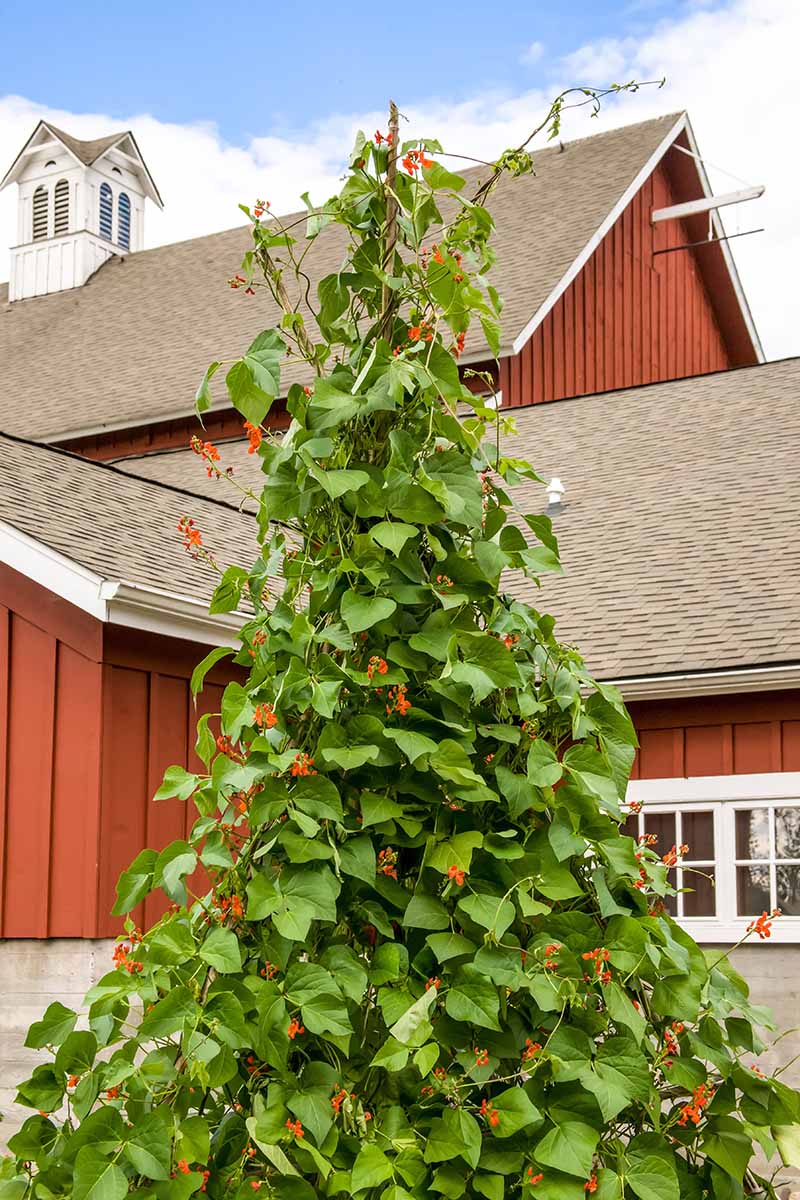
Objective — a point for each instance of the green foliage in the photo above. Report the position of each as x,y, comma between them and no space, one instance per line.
421,957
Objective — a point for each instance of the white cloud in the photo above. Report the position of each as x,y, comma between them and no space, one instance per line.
731,65
532,54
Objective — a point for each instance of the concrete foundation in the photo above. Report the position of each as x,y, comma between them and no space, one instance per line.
34,973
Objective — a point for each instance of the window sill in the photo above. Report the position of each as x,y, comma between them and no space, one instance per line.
785,931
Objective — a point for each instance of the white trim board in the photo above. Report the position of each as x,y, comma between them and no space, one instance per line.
117,601
769,785
708,683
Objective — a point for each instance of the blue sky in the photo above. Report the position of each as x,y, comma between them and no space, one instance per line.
277,68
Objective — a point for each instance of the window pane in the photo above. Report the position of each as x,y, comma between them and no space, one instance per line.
698,834
788,889
630,826
752,833
701,900
752,890
663,826
787,832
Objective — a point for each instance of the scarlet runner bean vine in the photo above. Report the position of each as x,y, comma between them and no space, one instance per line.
410,951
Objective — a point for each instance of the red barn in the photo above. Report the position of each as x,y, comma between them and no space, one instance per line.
665,421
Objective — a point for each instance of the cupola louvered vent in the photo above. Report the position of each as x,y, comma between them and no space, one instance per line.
61,210
40,206
106,211
124,221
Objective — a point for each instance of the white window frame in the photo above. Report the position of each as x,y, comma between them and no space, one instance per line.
724,795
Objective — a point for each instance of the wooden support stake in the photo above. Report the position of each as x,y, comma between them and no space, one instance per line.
390,240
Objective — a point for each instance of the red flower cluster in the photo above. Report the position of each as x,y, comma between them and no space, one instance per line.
416,159
671,857
377,664
397,701
635,806
295,1127
703,1095
254,436
113,1092
444,581
264,716
225,746
459,347
295,1028
269,970
600,957
422,331
260,206
763,924
534,1179
302,765
231,905
209,454
481,1057
510,640
489,1111
591,1183
338,1099
237,281
192,537
455,872
74,1080
122,952
433,982
387,862
550,963
379,138
531,1050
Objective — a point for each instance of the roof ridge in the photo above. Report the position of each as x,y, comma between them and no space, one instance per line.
106,466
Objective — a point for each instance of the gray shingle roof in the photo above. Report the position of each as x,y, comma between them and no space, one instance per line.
131,345
120,527
679,533
88,152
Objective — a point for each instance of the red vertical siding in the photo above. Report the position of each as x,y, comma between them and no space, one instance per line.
32,670
630,317
69,822
723,735
76,797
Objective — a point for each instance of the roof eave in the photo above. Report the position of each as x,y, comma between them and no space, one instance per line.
722,681
117,601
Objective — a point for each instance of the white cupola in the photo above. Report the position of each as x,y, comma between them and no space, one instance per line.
79,204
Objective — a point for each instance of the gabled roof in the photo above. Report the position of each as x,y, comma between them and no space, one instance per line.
108,542
679,533
86,152
130,346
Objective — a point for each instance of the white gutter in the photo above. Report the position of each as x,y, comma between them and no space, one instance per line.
709,683
171,615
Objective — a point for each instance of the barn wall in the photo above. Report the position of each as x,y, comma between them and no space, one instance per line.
150,723
90,716
631,316
717,735
50,720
